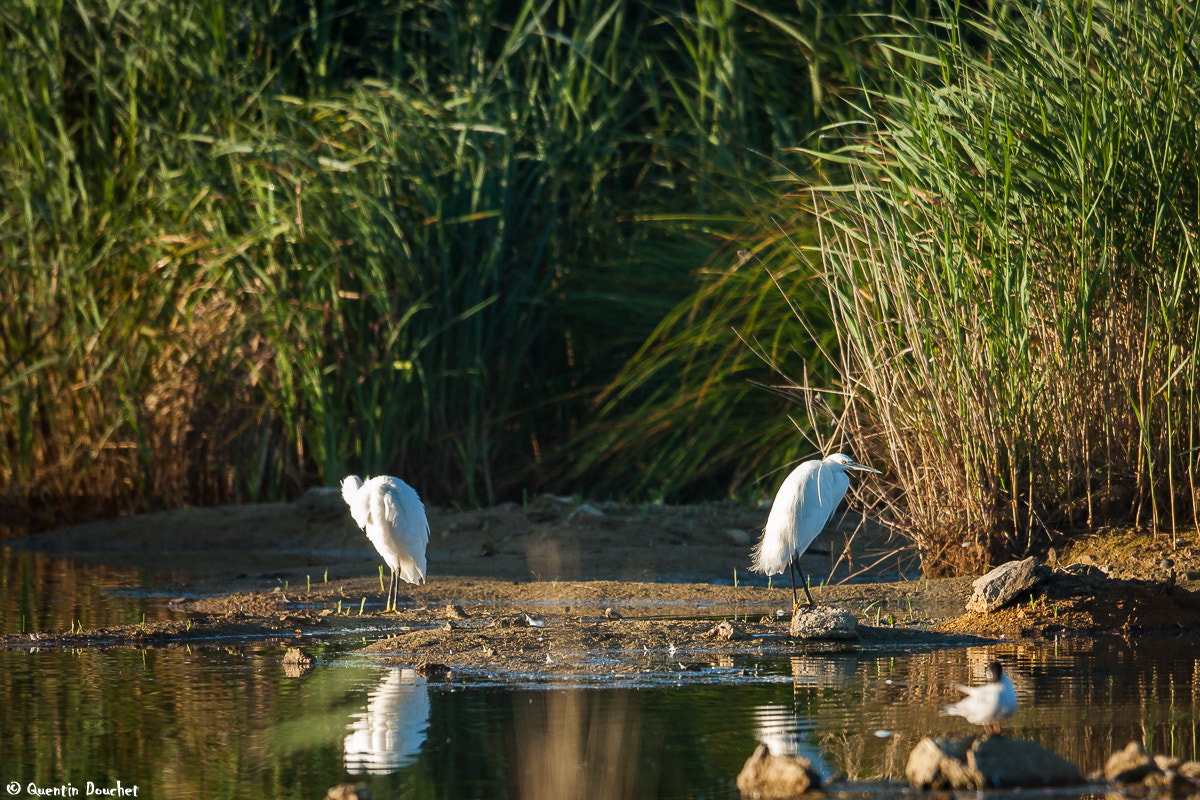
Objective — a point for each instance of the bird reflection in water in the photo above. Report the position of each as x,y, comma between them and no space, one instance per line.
388,735
788,730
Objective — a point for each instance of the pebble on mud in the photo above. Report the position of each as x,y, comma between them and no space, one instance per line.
587,515
349,791
823,622
431,670
609,613
766,777
725,630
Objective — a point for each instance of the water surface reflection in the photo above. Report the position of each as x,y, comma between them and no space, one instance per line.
39,592
230,723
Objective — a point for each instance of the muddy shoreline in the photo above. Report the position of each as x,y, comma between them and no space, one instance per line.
548,590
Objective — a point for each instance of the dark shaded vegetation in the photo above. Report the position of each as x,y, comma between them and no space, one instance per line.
249,247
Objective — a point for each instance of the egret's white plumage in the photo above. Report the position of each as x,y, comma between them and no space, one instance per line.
987,704
802,507
392,514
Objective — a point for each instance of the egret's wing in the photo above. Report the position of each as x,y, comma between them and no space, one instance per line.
778,543
821,491
405,515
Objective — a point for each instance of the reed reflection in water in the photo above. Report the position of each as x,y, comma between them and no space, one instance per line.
388,735
576,744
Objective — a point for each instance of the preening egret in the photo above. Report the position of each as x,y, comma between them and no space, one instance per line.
987,704
804,503
389,510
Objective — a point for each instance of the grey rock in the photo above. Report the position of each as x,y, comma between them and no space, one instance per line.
1004,762
823,622
1130,765
767,777
1005,583
349,791
940,764
989,762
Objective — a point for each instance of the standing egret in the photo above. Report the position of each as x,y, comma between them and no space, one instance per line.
805,502
389,510
987,704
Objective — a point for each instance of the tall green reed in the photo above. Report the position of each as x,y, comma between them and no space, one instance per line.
1014,278
707,406
248,247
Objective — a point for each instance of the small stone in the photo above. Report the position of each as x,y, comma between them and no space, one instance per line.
823,622
1168,784
295,655
1167,763
940,764
1129,765
725,630
609,613
586,515
296,662
767,777
432,670
1005,583
349,791
455,611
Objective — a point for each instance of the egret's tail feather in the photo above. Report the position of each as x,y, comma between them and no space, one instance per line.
772,554
413,570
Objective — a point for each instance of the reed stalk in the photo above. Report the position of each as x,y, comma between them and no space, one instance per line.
1013,277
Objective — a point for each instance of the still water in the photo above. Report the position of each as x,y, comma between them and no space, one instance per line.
228,721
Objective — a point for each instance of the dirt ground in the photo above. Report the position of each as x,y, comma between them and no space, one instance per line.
560,587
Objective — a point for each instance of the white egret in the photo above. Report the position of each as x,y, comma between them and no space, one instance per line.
804,503
987,704
391,513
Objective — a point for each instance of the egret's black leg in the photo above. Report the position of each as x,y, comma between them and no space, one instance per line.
391,595
804,583
792,575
